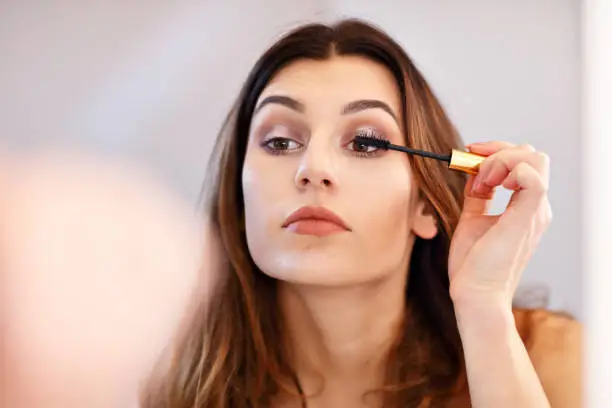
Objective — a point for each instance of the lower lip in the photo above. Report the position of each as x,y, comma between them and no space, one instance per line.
319,228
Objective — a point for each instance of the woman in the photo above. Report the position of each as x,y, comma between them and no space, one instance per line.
400,293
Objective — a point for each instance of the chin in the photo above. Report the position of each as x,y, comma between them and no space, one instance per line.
311,278
316,272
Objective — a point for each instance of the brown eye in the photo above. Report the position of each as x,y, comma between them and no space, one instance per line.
361,148
280,145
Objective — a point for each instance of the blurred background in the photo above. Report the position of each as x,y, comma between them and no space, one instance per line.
153,80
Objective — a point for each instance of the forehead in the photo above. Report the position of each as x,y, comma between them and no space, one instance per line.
335,81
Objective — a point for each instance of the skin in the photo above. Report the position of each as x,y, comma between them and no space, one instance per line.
342,306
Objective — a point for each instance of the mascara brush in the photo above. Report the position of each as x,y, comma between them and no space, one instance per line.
457,160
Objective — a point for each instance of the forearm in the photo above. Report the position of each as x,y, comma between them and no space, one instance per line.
499,370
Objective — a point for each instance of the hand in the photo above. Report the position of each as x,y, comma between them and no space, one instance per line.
488,253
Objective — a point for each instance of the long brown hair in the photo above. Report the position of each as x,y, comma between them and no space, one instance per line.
231,355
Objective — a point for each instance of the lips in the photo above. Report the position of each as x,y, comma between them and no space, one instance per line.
319,215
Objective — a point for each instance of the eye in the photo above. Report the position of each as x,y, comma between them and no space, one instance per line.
281,145
363,150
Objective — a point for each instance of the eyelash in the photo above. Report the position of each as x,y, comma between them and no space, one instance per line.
268,145
370,151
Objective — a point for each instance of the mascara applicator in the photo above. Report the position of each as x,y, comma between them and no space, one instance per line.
457,160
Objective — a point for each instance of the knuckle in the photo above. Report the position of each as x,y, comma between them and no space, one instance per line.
500,146
543,158
546,216
528,147
488,163
537,183
549,209
524,167
542,189
549,216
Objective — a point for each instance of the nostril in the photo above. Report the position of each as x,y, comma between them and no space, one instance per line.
326,182
304,181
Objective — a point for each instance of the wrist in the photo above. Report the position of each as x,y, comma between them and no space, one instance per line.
484,312
475,297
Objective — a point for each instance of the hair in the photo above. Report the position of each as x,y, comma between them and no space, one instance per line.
231,355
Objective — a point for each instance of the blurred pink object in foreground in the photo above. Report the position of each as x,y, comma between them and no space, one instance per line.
98,262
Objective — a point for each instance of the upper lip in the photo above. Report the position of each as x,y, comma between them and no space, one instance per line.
315,213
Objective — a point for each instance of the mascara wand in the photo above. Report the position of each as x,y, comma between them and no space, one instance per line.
458,160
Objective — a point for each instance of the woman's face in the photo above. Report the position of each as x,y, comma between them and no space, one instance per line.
300,154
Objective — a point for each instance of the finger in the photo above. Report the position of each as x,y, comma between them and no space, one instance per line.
544,217
494,172
539,161
478,202
530,194
543,214
538,227
489,148
475,204
518,224
496,168
529,208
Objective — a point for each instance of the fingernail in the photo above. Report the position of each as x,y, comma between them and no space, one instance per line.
483,174
476,184
480,187
475,144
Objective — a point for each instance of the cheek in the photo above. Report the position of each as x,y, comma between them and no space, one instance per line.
256,196
393,215
250,191
256,209
265,186
385,203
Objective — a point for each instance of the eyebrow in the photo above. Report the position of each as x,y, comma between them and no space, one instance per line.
281,100
350,108
365,104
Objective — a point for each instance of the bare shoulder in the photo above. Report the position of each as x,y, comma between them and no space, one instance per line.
554,343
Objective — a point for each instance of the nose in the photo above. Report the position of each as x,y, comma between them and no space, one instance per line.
316,170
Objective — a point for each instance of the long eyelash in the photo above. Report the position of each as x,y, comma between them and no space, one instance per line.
372,134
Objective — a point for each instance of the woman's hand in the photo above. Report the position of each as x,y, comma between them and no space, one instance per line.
487,257
488,253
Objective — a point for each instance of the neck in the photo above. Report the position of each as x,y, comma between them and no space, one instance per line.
343,334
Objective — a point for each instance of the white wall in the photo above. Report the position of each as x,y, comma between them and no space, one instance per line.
154,79
150,79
